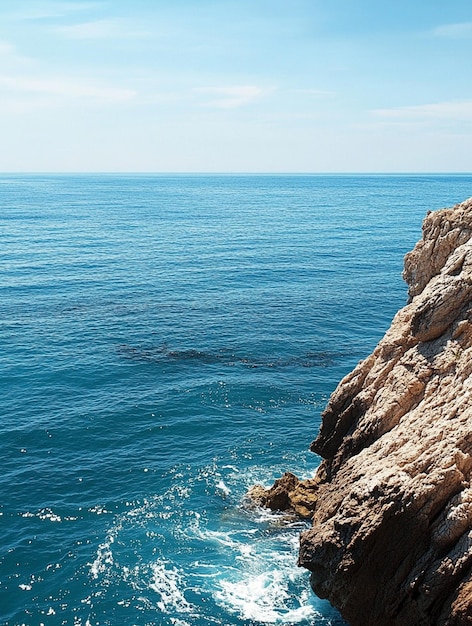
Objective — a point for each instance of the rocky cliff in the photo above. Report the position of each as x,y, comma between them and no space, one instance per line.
391,504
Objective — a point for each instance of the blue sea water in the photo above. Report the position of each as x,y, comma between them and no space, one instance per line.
166,342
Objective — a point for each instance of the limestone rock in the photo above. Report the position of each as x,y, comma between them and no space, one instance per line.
391,541
288,493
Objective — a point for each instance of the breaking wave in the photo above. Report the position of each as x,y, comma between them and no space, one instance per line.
192,565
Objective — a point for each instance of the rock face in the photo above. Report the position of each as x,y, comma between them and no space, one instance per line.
391,504
288,493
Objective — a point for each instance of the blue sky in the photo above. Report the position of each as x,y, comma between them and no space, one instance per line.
236,85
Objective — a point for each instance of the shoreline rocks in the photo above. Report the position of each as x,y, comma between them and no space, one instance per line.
391,503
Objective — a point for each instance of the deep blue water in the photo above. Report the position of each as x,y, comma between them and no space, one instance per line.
165,343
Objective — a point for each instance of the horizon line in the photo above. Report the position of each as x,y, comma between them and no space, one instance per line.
225,173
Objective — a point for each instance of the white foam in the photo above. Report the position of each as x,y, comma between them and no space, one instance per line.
103,560
254,576
264,598
252,599
244,559
222,488
168,583
50,515
231,467
98,509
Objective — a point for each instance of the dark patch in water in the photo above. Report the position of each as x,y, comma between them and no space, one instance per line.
158,354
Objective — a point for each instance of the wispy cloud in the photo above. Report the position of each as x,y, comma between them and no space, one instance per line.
317,93
38,10
232,97
460,30
445,111
62,88
6,49
11,60
102,29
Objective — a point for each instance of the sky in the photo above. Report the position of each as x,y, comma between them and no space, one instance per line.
257,86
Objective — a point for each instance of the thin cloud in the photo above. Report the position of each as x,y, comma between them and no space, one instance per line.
63,88
461,30
317,93
101,29
11,60
6,49
49,10
446,111
232,97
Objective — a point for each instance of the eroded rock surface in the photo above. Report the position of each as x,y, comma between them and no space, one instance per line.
391,541
289,494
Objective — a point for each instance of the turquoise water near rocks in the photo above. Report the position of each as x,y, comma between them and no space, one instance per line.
165,343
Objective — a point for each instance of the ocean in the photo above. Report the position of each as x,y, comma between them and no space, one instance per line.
166,342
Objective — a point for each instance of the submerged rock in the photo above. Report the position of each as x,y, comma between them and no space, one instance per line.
391,504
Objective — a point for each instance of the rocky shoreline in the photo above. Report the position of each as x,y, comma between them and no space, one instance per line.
391,502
